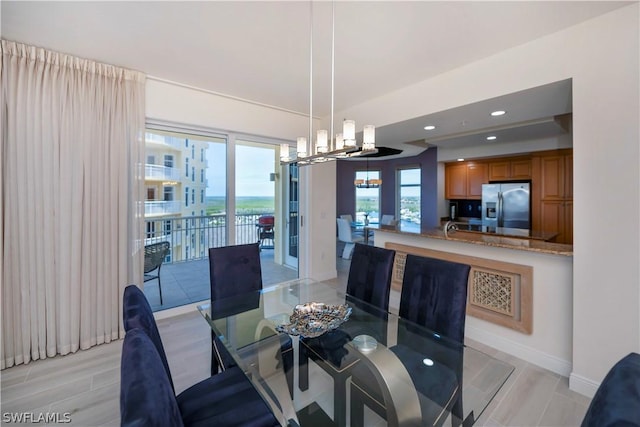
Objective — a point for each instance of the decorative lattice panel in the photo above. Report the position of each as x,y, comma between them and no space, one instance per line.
493,290
498,292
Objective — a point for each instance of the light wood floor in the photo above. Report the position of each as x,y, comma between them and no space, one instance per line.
86,384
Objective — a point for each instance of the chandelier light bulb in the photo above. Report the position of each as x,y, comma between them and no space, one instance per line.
322,145
302,146
349,133
369,137
339,142
284,152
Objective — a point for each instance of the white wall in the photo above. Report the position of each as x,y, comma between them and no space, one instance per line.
602,57
318,208
182,104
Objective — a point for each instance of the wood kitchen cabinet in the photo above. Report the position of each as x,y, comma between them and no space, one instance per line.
464,180
456,181
552,184
509,169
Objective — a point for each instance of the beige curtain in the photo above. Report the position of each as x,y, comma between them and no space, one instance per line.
72,211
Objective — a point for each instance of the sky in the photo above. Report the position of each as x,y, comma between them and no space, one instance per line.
253,166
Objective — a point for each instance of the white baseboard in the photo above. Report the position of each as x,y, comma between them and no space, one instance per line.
177,311
583,385
531,355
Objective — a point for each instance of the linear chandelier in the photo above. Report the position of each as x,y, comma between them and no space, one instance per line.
327,148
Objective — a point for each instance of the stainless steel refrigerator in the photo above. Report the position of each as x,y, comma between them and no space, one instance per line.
506,204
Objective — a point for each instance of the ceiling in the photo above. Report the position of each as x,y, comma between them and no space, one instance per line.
259,51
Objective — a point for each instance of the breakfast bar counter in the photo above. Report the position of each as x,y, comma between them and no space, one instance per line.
496,239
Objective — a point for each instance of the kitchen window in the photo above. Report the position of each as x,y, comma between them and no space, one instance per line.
367,199
408,193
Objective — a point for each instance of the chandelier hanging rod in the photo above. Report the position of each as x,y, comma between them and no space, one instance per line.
343,145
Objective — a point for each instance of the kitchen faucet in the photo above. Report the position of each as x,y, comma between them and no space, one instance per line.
449,226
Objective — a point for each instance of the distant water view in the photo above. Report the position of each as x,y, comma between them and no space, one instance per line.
410,211
244,205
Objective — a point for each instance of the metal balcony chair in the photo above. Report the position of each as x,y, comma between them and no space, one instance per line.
265,231
154,256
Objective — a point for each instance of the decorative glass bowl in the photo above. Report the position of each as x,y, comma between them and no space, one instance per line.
313,319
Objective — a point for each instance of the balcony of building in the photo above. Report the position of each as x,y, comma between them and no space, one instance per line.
161,207
161,173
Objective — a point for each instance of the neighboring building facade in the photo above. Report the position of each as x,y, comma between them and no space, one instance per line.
175,187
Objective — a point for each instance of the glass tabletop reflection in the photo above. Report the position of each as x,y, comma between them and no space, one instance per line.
397,362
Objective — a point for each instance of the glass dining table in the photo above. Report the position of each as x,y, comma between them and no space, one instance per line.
401,363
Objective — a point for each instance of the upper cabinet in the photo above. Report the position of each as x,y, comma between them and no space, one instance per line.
510,169
463,180
551,176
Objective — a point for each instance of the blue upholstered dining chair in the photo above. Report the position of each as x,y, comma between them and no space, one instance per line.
147,396
234,271
617,400
369,281
434,295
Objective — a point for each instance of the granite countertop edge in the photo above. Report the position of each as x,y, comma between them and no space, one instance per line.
516,243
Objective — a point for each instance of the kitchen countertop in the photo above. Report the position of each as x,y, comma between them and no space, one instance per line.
488,239
505,231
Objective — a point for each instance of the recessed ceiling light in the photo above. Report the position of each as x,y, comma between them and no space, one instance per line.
491,138
429,127
461,160
498,113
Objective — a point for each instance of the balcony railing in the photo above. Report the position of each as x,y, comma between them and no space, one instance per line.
161,207
161,172
191,237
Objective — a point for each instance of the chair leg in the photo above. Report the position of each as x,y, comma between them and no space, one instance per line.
348,250
287,362
303,368
216,359
160,284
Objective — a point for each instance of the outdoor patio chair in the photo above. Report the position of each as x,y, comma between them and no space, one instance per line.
154,256
265,231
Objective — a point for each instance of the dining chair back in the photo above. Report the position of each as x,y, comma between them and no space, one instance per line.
347,237
154,255
370,275
234,271
617,400
147,397
386,219
368,284
137,314
434,295
348,217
